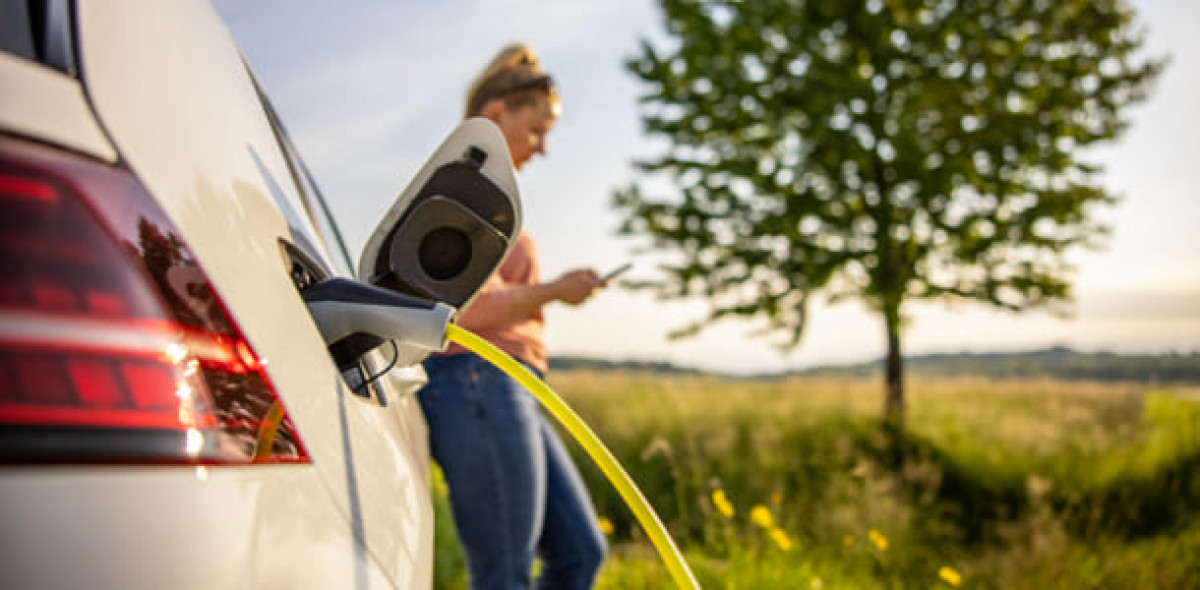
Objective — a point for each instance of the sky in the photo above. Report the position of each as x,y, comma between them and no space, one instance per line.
367,93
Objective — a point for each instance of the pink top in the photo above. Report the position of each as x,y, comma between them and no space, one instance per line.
522,339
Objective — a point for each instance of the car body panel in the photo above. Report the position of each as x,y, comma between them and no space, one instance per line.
178,527
50,106
176,104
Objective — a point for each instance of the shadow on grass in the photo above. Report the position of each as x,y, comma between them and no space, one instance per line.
1137,502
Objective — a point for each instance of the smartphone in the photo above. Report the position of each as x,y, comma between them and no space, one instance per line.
617,272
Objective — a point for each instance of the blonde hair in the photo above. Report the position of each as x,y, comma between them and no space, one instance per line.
514,76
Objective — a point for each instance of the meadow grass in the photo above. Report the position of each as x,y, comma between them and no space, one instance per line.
789,483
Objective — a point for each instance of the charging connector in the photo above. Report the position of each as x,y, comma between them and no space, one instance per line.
355,317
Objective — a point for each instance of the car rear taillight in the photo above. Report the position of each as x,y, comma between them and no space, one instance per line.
114,347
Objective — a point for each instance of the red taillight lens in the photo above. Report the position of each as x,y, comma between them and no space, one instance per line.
114,347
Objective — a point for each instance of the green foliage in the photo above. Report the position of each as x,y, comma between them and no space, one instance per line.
884,150
1013,484
449,564
1008,484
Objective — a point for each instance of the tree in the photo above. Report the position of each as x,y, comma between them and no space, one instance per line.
886,150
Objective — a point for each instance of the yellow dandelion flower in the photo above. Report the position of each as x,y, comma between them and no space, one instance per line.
781,538
950,576
722,504
878,539
761,516
606,525
848,540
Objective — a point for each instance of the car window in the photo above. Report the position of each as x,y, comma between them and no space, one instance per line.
38,31
16,36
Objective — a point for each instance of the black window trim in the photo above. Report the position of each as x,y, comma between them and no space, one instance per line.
41,31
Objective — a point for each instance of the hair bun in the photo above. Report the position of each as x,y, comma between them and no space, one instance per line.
515,65
513,56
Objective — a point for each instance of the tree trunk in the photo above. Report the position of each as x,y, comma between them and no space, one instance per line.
893,409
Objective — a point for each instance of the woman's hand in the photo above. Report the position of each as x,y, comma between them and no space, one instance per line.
577,286
501,305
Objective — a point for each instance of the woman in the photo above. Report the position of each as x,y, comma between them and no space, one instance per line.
514,491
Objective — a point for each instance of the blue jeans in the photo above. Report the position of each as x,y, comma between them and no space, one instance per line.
514,490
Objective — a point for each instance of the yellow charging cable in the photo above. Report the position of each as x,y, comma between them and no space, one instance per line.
265,443
595,449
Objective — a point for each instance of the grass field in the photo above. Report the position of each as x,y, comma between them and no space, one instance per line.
789,483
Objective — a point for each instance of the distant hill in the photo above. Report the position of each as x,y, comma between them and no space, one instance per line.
1058,362
574,363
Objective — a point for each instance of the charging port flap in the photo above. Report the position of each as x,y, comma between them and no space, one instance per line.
453,225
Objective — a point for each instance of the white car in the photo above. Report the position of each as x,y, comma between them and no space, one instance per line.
171,413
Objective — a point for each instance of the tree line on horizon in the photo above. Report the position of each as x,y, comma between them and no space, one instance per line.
1056,362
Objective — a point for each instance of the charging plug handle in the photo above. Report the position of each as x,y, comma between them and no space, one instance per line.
343,308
